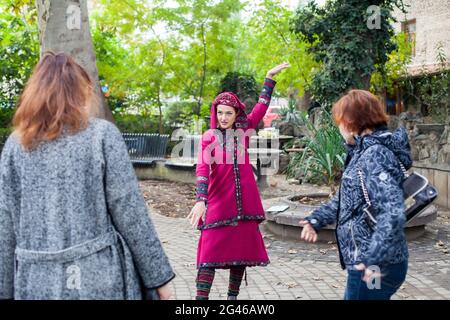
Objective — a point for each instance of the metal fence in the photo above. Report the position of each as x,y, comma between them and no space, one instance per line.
145,148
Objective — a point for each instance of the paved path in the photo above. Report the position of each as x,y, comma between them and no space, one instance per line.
304,271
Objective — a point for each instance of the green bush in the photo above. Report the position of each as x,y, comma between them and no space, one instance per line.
5,131
243,85
4,134
136,123
323,158
6,115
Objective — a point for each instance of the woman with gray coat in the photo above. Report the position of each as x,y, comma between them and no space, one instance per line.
73,222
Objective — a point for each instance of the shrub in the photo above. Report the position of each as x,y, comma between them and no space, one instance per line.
323,158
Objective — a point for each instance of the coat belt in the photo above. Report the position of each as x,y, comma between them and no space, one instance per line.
69,254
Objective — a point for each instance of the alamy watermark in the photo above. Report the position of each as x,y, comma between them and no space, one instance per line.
232,146
374,281
73,13
374,17
74,277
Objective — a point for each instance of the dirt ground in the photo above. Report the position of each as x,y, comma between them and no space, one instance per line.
175,199
172,199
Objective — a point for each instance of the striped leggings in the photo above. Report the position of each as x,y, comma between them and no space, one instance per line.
205,278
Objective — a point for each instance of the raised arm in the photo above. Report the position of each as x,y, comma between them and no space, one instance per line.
260,108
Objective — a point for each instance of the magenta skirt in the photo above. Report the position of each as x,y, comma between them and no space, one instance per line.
227,246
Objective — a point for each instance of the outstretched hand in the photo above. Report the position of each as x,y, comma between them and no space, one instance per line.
197,212
273,72
308,232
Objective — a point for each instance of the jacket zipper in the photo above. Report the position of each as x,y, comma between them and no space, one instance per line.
341,258
355,254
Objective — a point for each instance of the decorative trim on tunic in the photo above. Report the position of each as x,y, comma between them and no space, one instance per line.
202,189
237,179
233,264
266,94
232,221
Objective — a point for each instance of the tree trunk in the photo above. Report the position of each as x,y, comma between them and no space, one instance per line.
64,27
202,83
160,110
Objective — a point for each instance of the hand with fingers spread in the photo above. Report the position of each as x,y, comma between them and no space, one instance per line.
308,232
273,72
197,212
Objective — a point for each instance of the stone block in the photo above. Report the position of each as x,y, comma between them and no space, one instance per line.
441,184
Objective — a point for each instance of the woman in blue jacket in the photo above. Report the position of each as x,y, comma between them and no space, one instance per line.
375,256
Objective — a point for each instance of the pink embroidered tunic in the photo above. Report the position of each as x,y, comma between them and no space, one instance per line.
230,234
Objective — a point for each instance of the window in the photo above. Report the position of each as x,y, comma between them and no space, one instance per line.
409,28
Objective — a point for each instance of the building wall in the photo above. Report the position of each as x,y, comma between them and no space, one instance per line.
432,26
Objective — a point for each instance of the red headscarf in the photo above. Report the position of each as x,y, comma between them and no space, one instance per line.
231,100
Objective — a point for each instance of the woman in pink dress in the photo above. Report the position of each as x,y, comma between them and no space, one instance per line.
229,209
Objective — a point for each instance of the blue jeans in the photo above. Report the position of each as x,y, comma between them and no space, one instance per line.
393,276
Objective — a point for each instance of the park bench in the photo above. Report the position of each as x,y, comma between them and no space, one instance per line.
146,148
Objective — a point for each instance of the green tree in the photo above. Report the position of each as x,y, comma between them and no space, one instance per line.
350,39
383,80
19,49
243,85
268,40
188,59
64,26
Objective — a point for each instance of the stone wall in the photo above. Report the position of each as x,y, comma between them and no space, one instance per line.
430,143
432,27
160,171
430,149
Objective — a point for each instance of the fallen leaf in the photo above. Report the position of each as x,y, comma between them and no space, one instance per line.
322,251
291,285
292,251
335,286
317,278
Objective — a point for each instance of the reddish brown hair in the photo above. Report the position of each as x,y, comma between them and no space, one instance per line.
56,98
359,110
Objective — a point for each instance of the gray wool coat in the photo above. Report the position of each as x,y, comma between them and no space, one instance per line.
73,222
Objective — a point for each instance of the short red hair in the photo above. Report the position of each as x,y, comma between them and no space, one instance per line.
359,110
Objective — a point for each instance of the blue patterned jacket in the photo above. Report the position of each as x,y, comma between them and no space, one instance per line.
377,155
